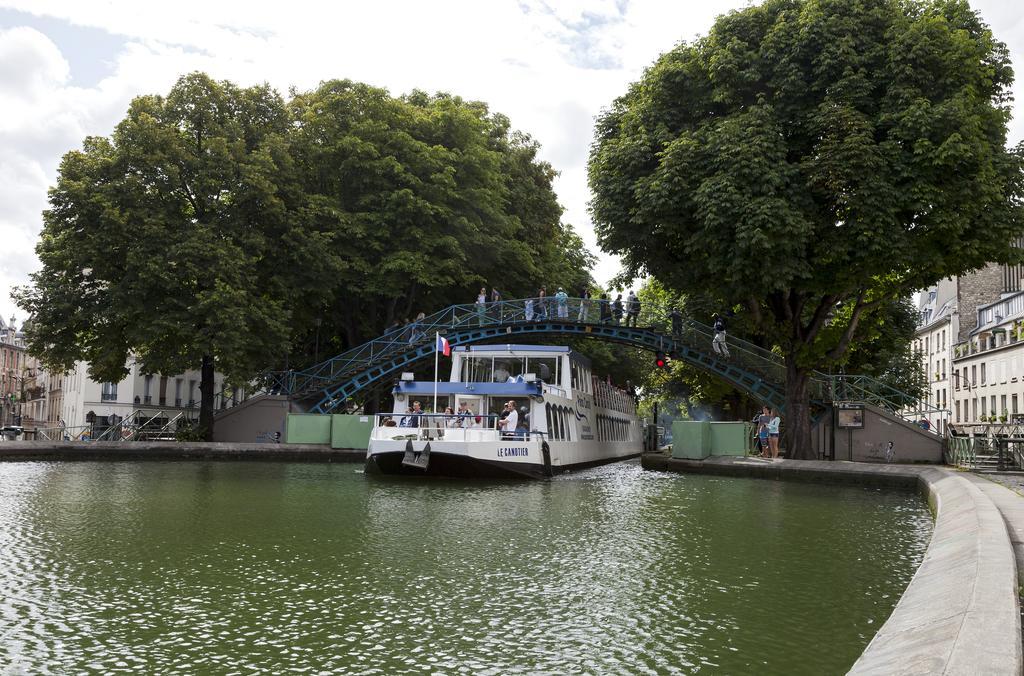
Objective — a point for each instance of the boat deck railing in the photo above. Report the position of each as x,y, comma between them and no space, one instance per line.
450,427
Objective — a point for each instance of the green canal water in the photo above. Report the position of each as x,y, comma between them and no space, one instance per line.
238,568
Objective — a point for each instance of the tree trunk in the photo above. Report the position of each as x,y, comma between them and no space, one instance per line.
206,399
798,413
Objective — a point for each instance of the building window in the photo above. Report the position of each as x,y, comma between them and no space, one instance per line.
1013,402
974,374
147,390
1002,405
994,412
974,409
984,403
108,392
958,411
177,392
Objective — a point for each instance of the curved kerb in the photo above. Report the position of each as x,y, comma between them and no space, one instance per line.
748,381
960,614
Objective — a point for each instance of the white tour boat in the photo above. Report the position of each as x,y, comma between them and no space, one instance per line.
565,418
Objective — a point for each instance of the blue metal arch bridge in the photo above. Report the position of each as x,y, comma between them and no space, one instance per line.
758,372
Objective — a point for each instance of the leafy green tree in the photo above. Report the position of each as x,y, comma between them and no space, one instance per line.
163,241
881,349
415,202
810,161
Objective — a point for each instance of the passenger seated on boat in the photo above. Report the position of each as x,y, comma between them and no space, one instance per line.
389,422
411,417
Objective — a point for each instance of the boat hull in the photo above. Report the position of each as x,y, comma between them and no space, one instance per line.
463,466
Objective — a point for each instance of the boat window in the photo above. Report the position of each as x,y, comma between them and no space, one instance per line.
547,414
476,370
508,367
546,369
574,370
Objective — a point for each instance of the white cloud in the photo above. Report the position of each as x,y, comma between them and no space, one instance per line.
550,65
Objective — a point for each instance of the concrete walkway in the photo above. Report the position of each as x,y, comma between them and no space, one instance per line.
960,614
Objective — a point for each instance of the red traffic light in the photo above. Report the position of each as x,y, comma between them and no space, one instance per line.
660,361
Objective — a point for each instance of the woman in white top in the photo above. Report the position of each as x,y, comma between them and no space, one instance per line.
773,433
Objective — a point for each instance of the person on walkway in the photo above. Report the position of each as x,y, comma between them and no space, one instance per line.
755,421
584,305
481,305
541,311
617,309
773,433
762,431
718,342
562,303
528,309
676,318
632,309
605,308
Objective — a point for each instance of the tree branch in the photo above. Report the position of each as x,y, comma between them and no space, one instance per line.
858,310
826,303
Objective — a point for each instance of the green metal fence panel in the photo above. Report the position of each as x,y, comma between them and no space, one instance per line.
308,428
730,438
691,439
351,431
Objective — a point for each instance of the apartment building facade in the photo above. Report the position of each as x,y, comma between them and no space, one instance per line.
12,366
970,341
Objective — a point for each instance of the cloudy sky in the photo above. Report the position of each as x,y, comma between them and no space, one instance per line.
68,69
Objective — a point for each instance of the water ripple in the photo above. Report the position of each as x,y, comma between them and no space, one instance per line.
181,568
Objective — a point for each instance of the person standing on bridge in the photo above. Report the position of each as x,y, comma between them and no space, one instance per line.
617,309
632,309
718,342
605,311
584,305
541,312
676,318
496,304
481,305
562,303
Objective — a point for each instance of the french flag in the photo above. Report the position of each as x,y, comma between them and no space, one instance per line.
442,345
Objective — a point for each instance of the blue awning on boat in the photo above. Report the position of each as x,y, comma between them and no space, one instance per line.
425,388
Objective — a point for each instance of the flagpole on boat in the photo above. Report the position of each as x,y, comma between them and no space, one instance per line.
437,339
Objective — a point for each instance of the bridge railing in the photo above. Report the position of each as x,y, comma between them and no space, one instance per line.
685,332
